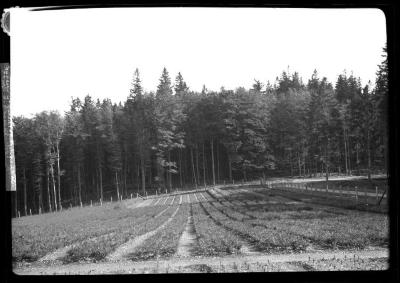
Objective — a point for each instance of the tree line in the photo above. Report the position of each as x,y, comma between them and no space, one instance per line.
178,138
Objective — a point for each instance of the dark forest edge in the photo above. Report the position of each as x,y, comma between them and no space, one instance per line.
178,138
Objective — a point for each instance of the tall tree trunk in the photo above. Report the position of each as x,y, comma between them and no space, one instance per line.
197,164
299,163
357,159
385,152
369,155
125,168
125,173
327,164
58,175
315,166
212,160
180,167
204,166
116,184
304,160
143,176
40,196
101,183
54,187
217,162
48,187
193,169
150,179
230,169
345,151
25,198
184,161
348,152
79,183
169,171
138,177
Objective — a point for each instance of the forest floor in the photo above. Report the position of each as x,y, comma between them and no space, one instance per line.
240,228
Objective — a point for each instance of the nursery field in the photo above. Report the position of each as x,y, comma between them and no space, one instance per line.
246,228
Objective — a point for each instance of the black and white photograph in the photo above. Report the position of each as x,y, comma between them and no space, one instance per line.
164,140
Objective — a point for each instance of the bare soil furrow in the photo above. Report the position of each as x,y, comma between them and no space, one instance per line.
188,239
130,246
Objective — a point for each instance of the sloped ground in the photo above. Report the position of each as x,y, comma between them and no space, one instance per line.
233,229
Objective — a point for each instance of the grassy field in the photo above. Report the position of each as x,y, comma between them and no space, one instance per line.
229,222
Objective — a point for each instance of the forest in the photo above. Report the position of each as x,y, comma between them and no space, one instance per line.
175,138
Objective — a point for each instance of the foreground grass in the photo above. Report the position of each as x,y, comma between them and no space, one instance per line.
98,249
213,240
326,228
280,221
35,236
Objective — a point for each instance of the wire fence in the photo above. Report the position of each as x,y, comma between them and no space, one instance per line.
360,195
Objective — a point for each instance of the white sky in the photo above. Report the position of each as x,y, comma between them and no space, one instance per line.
64,53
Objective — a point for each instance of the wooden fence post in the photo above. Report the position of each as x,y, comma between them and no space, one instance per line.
111,198
101,202
131,195
19,215
70,205
30,211
91,204
81,204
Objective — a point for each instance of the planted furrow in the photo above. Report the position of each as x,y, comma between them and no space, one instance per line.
165,200
248,242
132,244
295,230
164,243
203,197
217,195
74,250
213,240
161,213
158,200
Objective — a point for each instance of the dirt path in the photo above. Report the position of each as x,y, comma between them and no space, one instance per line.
132,244
283,260
188,239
